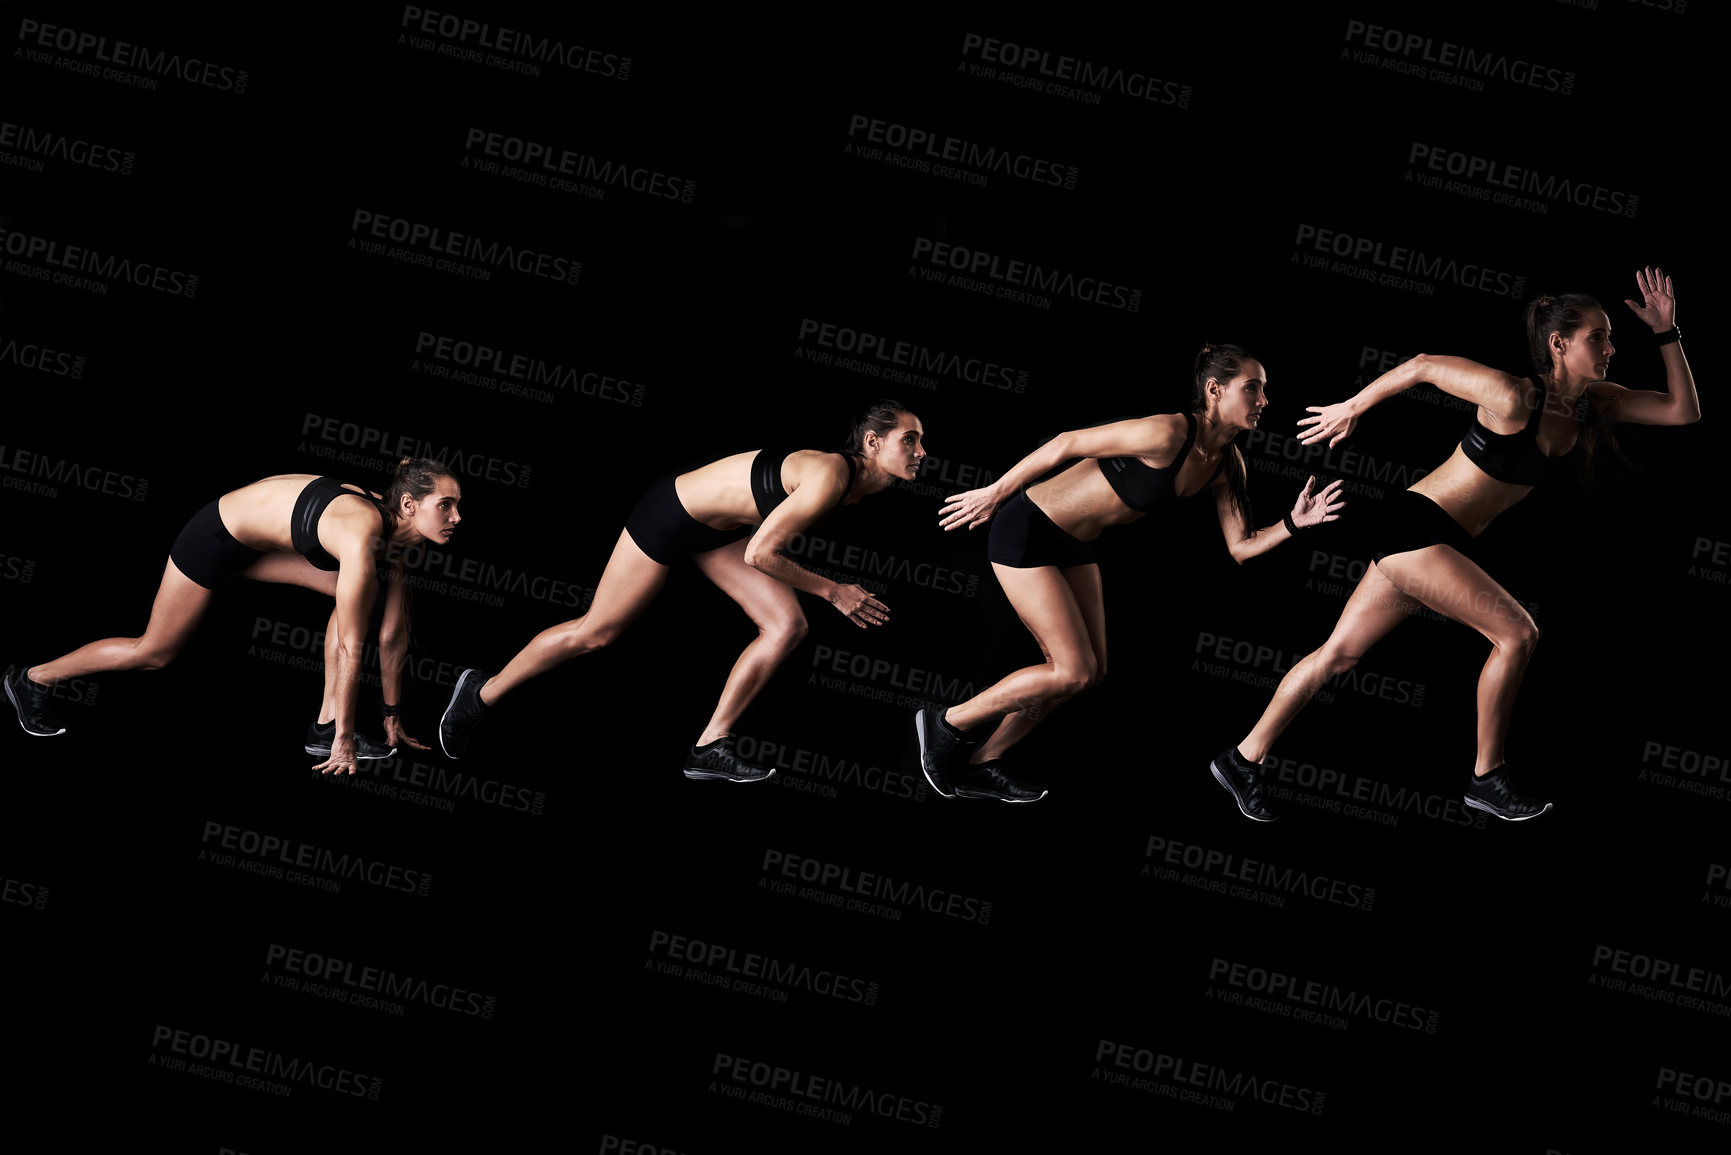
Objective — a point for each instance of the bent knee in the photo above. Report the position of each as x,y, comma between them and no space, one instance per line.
1067,680
1522,638
786,632
1335,661
581,637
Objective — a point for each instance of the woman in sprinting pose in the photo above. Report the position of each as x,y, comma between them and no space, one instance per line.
1520,434
1038,545
292,528
731,517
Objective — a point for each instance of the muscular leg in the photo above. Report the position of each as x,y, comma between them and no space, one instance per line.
1085,586
1377,606
1452,585
627,586
781,626
179,606
1046,600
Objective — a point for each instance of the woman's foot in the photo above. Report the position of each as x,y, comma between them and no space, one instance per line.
319,736
718,759
1243,780
29,699
463,714
1495,794
987,780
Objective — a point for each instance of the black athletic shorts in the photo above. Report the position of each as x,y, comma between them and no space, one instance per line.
1023,537
207,553
1413,521
663,530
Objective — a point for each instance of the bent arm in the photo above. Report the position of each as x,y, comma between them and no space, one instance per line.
1678,405
1494,389
1240,542
1311,509
1138,437
815,497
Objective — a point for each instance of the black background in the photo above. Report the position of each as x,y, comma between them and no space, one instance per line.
115,927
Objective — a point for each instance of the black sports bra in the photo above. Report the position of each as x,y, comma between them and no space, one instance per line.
309,507
1513,457
1141,486
766,487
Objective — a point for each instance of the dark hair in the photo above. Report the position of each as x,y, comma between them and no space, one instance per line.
1547,315
415,476
1222,363
880,417
1564,314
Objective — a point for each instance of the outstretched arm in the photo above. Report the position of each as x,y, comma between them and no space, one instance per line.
1310,509
1157,436
818,493
1679,404
1497,391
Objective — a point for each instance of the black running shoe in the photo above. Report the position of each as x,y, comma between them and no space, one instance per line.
943,751
718,759
988,780
463,714
27,698
319,736
1495,794
1243,780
